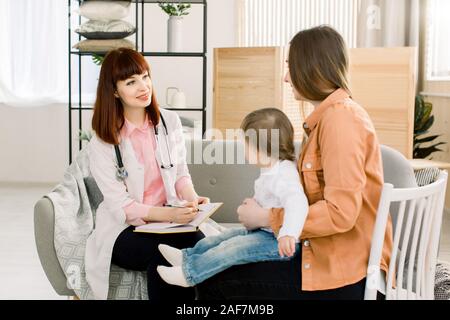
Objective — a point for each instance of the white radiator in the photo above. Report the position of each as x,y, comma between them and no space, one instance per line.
275,22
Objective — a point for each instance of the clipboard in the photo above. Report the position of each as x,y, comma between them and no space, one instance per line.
205,211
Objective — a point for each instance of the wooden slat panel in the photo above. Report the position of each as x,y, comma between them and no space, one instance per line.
382,80
244,80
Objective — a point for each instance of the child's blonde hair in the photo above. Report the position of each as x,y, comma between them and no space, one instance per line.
268,119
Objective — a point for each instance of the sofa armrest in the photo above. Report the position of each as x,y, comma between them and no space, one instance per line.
44,231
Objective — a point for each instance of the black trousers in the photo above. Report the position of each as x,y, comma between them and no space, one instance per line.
139,252
271,280
258,281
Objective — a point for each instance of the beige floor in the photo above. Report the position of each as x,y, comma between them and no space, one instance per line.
21,274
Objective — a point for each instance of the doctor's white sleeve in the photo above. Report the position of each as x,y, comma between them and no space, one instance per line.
103,169
288,189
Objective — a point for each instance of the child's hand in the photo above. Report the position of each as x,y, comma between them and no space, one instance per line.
252,215
286,246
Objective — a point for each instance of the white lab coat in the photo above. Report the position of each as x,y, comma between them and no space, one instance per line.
110,217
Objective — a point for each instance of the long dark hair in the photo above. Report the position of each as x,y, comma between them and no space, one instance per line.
318,62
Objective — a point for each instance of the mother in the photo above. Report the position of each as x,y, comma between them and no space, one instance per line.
341,171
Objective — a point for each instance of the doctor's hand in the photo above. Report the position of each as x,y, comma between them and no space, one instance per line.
171,214
182,215
202,200
252,215
194,204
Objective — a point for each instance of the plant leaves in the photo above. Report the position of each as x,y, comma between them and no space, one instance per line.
85,135
173,9
98,59
427,139
422,153
427,108
418,111
424,128
423,120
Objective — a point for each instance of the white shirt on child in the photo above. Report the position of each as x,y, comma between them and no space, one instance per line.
280,187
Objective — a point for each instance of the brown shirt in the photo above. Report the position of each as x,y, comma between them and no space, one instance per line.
341,171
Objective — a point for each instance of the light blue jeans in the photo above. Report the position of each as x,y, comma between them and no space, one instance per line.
214,254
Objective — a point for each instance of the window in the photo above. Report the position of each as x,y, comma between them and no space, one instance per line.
275,22
33,52
438,46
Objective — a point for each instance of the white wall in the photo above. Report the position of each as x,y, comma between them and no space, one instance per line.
34,141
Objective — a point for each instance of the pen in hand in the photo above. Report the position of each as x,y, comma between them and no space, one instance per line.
174,206
178,206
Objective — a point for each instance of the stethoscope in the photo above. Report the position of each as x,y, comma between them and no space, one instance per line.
122,173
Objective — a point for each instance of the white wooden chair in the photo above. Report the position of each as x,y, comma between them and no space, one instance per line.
415,242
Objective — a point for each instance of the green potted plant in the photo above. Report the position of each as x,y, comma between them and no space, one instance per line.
176,11
423,120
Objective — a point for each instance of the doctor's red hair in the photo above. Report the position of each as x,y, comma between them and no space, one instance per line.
108,118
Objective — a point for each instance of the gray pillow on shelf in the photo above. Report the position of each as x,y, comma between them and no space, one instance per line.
103,45
105,35
105,0
104,10
115,29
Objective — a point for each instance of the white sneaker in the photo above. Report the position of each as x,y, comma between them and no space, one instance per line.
173,255
173,275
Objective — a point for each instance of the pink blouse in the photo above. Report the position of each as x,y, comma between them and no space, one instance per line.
144,145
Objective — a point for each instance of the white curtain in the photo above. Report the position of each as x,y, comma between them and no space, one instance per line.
438,39
33,52
388,23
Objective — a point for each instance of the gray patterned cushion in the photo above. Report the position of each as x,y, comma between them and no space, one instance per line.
442,282
426,176
126,284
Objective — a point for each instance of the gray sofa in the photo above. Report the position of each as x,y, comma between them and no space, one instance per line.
228,183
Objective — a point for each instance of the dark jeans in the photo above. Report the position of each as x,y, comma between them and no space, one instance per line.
139,252
270,280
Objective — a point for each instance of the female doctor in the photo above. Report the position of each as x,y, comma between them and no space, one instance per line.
138,159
